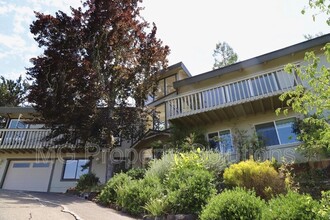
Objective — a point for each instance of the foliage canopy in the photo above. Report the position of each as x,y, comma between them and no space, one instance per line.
95,62
323,6
224,55
12,92
311,99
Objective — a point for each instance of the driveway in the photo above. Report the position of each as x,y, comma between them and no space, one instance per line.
18,205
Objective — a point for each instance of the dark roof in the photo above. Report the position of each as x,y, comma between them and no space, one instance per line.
6,110
256,60
151,136
175,67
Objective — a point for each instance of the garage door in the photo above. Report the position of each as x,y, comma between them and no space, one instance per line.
28,175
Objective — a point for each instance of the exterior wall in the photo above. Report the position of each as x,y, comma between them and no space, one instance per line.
247,123
3,165
182,75
144,156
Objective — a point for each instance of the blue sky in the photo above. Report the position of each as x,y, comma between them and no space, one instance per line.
190,28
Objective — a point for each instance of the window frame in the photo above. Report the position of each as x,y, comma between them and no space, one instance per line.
76,178
276,131
156,116
153,97
218,133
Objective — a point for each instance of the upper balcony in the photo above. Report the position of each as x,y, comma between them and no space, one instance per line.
210,103
26,138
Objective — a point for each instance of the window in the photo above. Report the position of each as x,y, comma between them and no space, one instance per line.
160,92
73,169
40,165
278,132
150,99
169,84
164,87
21,165
225,141
221,141
17,124
214,140
159,120
15,136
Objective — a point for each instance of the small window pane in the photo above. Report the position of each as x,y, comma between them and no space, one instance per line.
160,92
81,170
169,84
150,99
285,131
41,165
213,140
70,169
21,165
267,133
159,118
225,142
17,124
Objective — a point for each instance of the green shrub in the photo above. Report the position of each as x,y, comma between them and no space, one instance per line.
136,173
156,207
292,206
211,160
260,176
189,190
189,184
160,168
134,196
234,204
324,211
214,162
109,193
86,182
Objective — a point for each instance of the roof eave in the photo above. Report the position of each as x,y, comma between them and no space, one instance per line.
255,60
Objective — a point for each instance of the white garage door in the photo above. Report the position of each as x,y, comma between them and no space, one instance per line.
28,175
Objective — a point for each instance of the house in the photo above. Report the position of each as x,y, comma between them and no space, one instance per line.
158,128
30,162
239,101
229,103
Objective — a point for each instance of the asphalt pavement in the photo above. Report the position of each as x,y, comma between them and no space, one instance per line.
19,205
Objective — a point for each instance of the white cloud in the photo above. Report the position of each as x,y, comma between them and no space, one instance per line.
12,42
22,18
6,8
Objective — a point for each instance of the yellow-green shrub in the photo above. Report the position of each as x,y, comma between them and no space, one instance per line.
260,176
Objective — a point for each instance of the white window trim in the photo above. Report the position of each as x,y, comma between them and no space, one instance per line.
278,138
64,167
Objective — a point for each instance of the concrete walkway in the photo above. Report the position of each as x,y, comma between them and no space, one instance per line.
16,205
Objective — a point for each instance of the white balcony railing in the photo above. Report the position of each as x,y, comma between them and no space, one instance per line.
223,95
24,138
